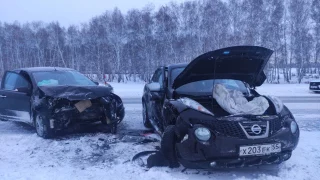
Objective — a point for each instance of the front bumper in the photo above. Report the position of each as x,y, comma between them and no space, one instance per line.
65,114
237,162
223,150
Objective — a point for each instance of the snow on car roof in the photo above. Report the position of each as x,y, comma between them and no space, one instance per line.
37,69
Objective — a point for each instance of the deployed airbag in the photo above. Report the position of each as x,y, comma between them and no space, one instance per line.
234,102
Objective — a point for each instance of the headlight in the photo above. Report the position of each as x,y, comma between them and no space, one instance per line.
277,103
203,134
293,127
194,105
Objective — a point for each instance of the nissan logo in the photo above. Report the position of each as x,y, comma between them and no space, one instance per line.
256,129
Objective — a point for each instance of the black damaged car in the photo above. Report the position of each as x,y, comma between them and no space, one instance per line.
209,114
53,99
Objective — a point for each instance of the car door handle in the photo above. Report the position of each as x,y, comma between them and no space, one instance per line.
3,96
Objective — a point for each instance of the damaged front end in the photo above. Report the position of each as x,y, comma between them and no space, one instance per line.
205,140
63,107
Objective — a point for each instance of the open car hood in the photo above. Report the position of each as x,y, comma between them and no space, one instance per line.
245,63
73,93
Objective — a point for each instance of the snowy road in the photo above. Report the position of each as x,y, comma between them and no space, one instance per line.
93,154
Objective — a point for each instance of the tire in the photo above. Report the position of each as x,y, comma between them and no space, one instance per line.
43,127
146,120
114,129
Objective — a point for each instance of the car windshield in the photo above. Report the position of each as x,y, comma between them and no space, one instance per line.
62,78
206,86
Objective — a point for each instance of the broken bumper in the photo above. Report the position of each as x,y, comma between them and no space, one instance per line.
63,113
223,150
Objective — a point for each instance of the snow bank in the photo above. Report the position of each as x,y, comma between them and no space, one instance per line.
286,90
128,90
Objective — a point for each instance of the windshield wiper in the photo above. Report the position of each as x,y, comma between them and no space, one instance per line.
195,96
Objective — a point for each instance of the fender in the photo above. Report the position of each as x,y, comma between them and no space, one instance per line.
171,110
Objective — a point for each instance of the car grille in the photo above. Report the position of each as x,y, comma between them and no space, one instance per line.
243,129
275,125
255,129
229,128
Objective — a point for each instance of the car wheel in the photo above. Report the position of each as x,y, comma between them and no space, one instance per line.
146,120
114,129
43,127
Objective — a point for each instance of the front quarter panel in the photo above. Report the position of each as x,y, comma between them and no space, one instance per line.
171,110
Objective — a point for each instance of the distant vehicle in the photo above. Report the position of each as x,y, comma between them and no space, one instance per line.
52,99
314,86
209,114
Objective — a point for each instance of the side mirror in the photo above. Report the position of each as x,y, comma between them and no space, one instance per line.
154,87
97,83
26,90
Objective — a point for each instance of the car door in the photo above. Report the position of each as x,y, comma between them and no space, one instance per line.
15,96
155,105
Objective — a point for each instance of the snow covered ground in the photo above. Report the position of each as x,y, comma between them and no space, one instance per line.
135,90
94,154
286,90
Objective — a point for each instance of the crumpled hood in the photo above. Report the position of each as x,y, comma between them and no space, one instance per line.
76,92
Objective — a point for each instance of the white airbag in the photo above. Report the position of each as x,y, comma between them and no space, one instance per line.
234,102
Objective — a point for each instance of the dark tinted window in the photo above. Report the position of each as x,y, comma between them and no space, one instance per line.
62,78
158,76
13,81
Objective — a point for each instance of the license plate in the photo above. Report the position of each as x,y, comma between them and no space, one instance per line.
259,149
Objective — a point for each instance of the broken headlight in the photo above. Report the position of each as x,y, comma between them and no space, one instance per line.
194,105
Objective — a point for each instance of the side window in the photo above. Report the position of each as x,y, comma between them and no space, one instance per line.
160,78
156,76
13,81
10,81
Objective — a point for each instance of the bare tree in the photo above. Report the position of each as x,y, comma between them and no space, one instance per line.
132,45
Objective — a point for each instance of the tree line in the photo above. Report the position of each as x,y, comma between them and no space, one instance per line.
134,44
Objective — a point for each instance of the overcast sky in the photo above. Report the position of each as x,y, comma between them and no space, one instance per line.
66,11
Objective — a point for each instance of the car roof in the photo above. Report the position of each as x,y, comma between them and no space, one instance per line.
177,65
40,69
